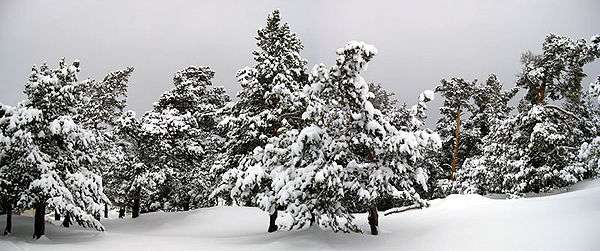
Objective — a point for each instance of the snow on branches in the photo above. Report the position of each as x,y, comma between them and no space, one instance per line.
346,153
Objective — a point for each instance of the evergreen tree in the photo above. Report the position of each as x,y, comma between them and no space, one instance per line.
270,101
103,106
346,151
486,104
383,99
490,106
44,142
180,135
557,72
131,178
536,150
457,94
589,152
14,177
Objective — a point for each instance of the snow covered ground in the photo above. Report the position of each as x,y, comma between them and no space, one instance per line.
566,221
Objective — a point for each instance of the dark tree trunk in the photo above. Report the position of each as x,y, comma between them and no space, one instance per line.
272,225
8,228
39,223
455,156
105,210
122,212
541,94
56,215
135,209
373,220
67,220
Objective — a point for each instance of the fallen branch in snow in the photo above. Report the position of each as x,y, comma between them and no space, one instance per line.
402,209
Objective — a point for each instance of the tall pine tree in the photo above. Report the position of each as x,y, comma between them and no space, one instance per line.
270,101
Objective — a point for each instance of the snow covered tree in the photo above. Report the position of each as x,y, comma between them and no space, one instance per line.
131,178
557,72
589,152
43,141
594,90
536,150
457,94
180,135
410,118
14,178
589,155
105,100
383,99
347,151
490,105
486,104
103,106
270,101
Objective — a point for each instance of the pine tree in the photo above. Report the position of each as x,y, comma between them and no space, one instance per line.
410,118
44,142
270,101
456,145
132,178
346,152
383,99
14,178
536,150
490,105
179,137
104,104
589,152
557,73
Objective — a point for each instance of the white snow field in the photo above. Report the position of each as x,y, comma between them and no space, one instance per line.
566,221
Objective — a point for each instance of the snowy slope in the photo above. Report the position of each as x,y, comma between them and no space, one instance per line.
567,221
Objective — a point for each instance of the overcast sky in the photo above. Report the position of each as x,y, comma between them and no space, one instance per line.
419,42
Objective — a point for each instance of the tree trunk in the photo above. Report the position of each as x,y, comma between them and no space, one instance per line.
186,204
373,220
39,223
56,215
122,212
8,228
541,94
272,225
67,220
455,157
135,209
105,210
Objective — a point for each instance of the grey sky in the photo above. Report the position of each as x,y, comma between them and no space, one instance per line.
419,42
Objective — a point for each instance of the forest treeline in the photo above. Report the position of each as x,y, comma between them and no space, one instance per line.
319,144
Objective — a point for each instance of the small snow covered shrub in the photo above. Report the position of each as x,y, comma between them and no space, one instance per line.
589,154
